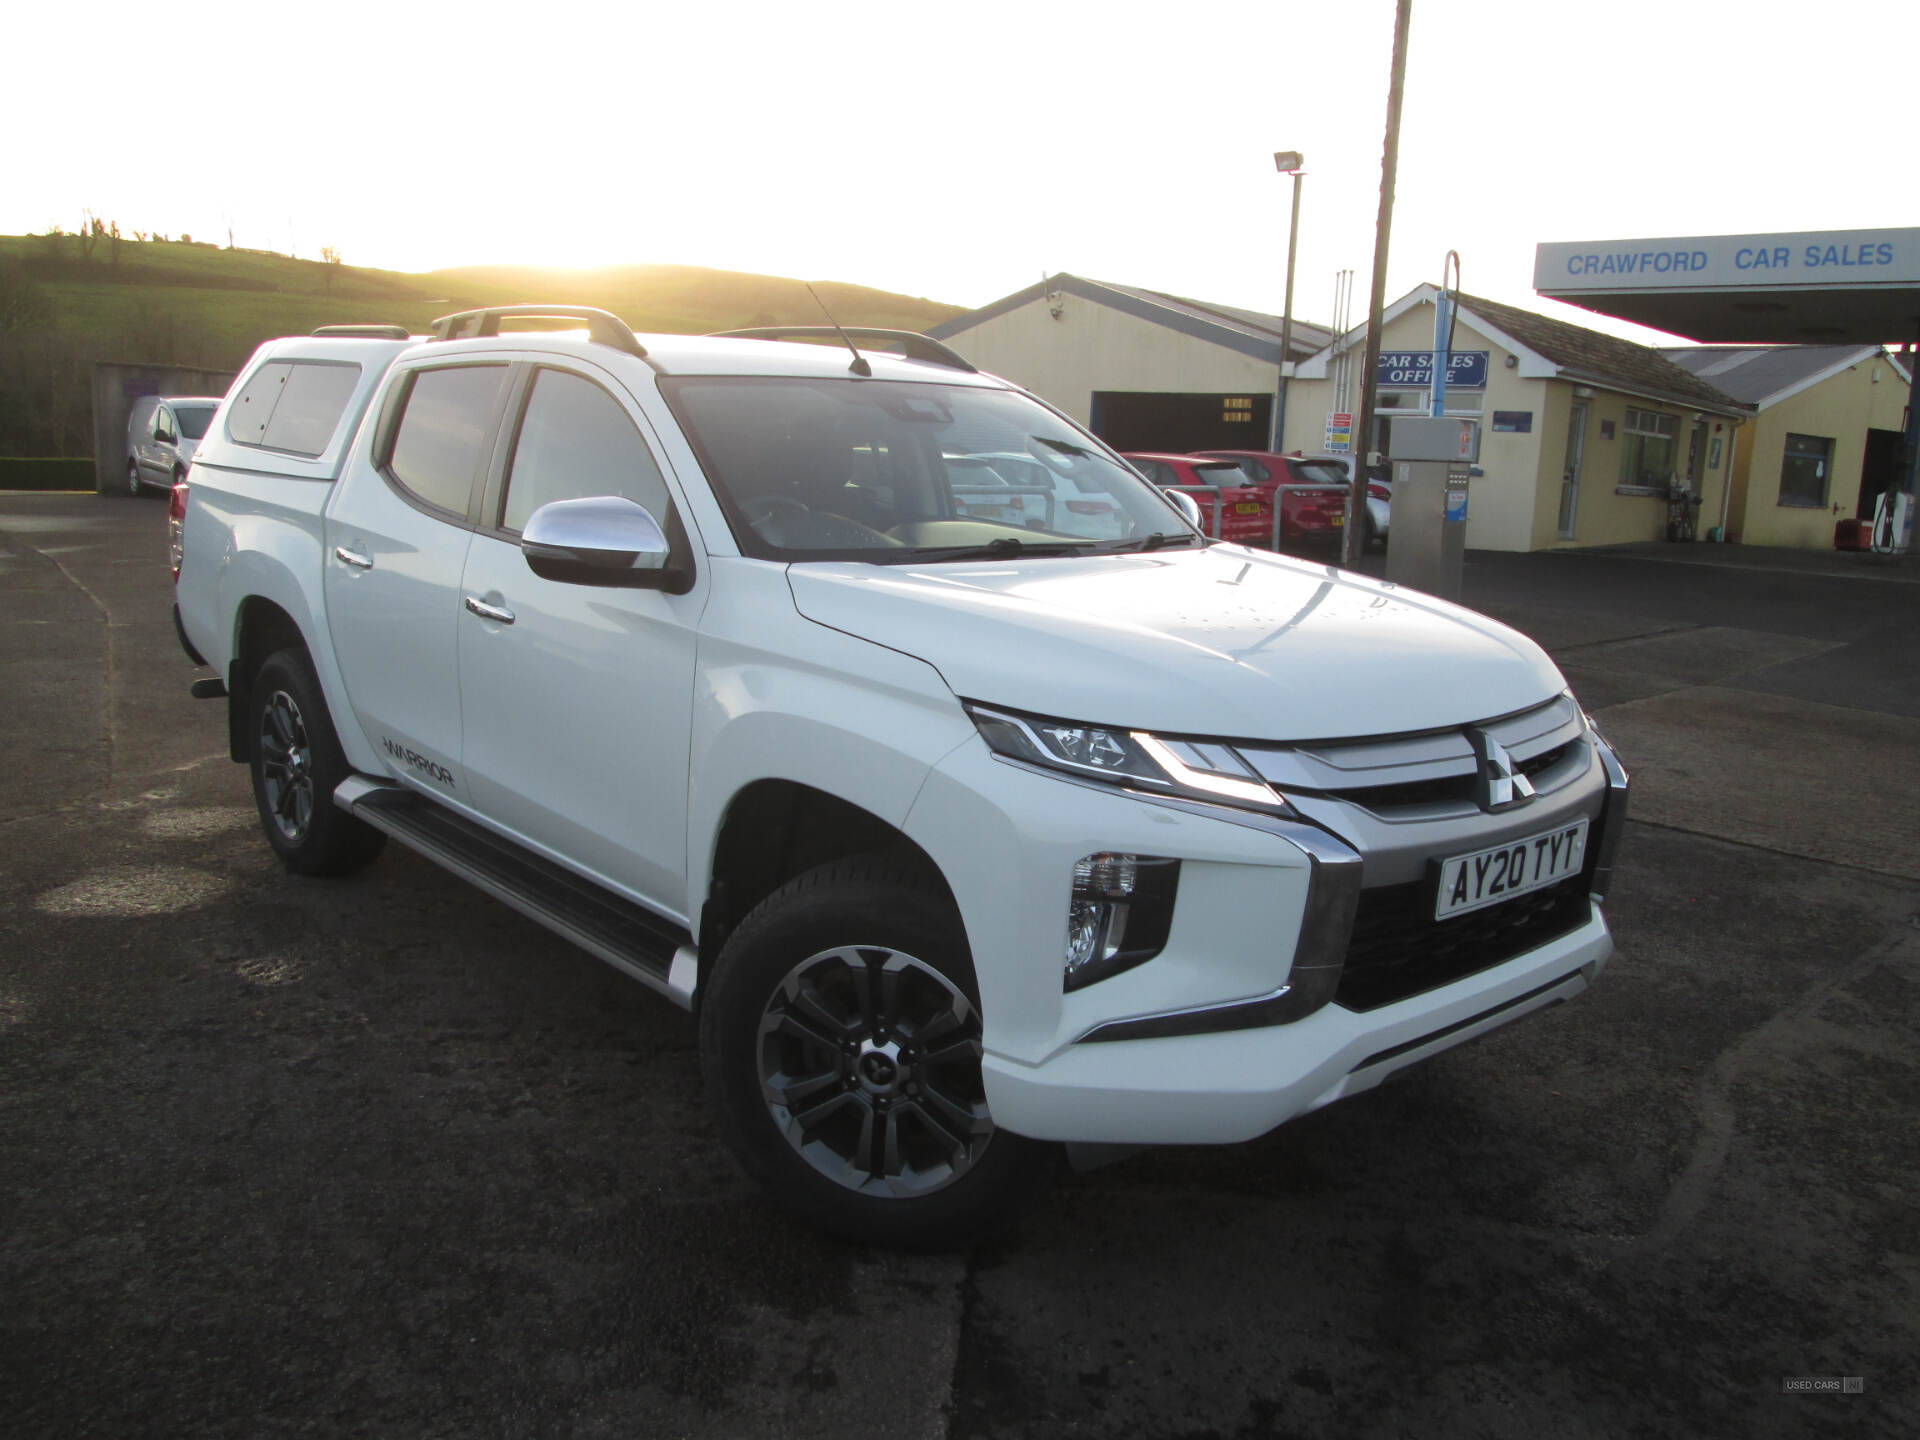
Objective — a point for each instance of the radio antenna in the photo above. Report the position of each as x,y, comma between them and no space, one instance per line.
860,366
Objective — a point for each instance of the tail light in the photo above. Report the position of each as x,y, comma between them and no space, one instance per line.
1379,492
1089,507
176,521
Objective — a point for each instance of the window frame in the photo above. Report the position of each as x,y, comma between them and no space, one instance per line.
1631,433
393,414
1787,452
493,502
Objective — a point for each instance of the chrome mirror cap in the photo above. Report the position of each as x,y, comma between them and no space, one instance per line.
606,533
1187,506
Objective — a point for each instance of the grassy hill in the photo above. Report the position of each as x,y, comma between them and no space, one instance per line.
224,302
175,302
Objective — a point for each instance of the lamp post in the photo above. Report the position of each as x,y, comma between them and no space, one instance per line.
1287,162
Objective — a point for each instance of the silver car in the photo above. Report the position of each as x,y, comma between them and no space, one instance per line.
162,434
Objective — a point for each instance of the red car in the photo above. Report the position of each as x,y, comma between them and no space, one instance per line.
1313,504
1246,512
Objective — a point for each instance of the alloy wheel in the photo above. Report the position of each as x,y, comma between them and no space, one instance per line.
286,765
870,1066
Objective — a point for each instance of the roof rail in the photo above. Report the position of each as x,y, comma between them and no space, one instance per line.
603,327
365,332
908,343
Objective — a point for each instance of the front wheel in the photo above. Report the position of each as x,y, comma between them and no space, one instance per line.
840,1037
134,487
296,763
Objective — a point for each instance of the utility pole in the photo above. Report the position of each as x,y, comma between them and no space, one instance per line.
1287,162
1383,229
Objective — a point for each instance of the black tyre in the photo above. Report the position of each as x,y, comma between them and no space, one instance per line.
296,763
840,1039
135,487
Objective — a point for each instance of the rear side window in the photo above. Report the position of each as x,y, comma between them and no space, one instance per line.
443,431
576,441
292,406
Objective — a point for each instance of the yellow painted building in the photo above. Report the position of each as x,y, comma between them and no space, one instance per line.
1583,435
1824,441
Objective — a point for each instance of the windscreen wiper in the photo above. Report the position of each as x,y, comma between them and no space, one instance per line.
1155,541
1004,548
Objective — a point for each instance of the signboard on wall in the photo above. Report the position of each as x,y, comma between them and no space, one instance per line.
1339,431
1517,422
1466,369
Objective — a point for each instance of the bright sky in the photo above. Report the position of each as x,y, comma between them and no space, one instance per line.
958,151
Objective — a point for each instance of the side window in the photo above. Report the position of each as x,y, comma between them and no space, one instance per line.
311,404
251,409
576,441
443,430
291,406
162,423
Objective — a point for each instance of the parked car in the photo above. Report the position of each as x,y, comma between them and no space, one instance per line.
1246,512
1338,467
162,434
1051,491
962,842
1312,494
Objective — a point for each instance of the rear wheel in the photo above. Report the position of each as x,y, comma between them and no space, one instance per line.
840,1038
134,487
296,764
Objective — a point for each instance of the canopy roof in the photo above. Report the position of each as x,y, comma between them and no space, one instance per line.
1857,287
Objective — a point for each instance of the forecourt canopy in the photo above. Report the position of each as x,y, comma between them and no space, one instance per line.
1802,288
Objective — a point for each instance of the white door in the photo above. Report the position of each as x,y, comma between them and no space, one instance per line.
577,699
1570,480
396,543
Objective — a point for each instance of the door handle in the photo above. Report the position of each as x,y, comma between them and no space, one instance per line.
353,558
498,613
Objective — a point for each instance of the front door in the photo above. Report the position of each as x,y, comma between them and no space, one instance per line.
396,541
1570,480
577,699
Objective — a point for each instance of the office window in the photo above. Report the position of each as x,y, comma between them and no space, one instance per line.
1646,457
1804,471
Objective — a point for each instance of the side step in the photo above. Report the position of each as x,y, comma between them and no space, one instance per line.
632,939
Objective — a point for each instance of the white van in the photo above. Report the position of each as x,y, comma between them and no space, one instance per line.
162,434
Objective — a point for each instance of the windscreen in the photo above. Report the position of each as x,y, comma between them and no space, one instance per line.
194,419
887,470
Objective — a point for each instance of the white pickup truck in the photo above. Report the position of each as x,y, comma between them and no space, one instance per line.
964,836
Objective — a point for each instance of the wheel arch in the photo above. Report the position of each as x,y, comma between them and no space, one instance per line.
773,830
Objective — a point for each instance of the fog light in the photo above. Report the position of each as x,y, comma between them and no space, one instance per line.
1119,914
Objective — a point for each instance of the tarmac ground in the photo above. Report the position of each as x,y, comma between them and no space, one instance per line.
377,1156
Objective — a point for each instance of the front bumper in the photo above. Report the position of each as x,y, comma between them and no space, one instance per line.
1224,1088
1208,1042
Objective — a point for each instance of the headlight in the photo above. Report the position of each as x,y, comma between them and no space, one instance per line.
1196,769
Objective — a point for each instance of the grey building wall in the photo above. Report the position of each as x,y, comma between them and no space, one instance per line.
115,388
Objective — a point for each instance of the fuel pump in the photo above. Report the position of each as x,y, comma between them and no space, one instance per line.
1432,461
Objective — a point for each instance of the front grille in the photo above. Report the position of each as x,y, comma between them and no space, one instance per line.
1399,949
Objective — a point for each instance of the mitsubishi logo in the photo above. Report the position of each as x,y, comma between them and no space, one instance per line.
1501,787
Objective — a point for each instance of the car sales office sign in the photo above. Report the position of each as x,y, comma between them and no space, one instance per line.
1466,369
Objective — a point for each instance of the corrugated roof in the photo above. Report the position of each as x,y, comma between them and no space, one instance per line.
1754,374
1248,331
1584,354
1306,339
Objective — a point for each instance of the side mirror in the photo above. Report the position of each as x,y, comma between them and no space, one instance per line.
1189,507
601,540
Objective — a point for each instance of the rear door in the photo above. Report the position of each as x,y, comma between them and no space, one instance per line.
577,699
396,542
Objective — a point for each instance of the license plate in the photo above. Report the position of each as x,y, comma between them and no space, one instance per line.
1336,520
1243,508
1486,877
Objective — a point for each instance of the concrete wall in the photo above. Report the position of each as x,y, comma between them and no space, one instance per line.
115,387
1092,347
1866,396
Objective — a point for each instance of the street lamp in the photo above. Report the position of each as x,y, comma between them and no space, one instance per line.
1287,162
